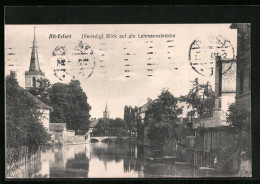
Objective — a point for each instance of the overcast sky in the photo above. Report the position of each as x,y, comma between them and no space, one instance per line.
151,63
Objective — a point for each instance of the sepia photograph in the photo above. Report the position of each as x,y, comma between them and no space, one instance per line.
128,100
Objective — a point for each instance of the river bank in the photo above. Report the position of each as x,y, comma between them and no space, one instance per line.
16,158
19,158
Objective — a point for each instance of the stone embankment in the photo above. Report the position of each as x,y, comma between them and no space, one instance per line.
72,140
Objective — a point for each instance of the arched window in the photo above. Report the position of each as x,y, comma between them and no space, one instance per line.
34,82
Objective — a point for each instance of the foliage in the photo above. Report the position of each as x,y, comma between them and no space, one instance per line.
41,91
23,118
237,117
102,127
162,118
70,106
202,100
131,118
133,121
110,127
139,128
181,131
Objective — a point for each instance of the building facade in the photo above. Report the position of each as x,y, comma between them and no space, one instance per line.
60,132
243,80
43,109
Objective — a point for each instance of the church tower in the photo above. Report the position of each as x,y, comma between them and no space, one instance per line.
106,112
34,72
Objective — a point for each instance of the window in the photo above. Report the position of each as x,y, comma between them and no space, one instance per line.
34,82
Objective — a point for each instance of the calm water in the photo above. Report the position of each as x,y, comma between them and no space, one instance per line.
105,160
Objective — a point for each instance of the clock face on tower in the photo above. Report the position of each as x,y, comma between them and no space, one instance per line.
202,54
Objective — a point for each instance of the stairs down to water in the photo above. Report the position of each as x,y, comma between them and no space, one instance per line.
227,154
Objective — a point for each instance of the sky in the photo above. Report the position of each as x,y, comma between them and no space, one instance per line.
121,70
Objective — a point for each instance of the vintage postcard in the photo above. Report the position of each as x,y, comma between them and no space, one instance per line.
128,100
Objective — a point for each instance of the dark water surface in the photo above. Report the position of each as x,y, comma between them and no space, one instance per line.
103,160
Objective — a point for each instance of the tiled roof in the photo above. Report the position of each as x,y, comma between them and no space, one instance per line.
144,108
57,126
38,102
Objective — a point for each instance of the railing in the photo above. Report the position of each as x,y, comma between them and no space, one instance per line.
227,154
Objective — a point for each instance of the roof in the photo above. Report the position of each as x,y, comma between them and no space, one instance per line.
34,63
93,122
106,109
57,126
145,106
38,102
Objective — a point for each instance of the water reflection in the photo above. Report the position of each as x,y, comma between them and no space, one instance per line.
69,162
111,160
102,160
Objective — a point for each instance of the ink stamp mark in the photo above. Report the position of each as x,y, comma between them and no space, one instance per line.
202,54
74,61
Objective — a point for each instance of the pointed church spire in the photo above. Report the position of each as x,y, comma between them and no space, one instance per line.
34,63
34,73
106,110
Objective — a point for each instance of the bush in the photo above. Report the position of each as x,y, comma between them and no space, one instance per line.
238,117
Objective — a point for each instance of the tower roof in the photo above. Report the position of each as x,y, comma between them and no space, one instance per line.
106,110
34,63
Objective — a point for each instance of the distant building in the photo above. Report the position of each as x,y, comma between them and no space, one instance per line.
34,72
60,132
106,112
57,130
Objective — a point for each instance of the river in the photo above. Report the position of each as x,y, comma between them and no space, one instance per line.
103,160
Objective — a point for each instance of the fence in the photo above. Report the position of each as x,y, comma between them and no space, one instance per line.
200,158
16,158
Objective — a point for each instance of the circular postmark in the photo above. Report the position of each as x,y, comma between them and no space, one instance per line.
73,61
203,52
